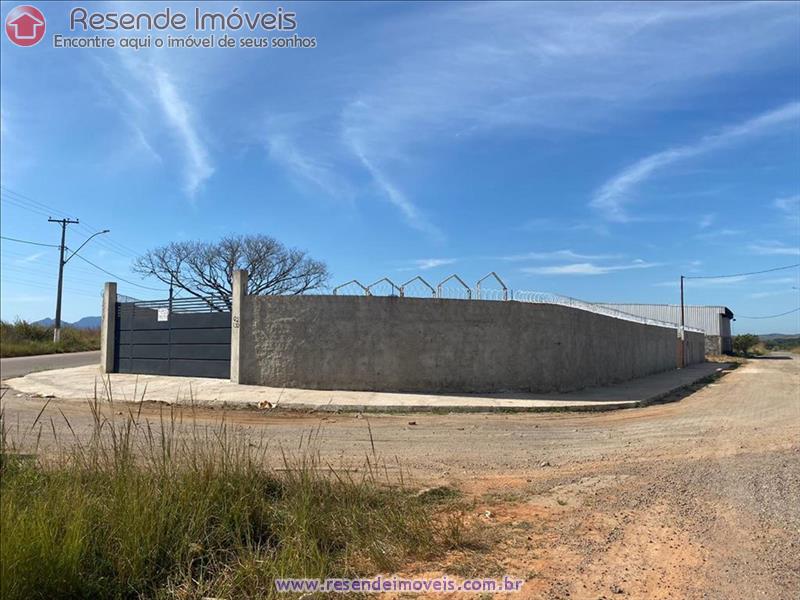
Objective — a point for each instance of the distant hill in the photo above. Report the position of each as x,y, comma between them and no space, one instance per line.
778,336
84,323
88,323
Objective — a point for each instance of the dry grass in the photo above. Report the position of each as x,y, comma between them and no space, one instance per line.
171,509
26,339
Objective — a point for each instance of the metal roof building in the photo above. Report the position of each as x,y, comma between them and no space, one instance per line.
715,321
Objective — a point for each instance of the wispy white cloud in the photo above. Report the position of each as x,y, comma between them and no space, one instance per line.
424,264
789,205
613,196
32,257
550,223
718,233
706,221
588,268
696,283
771,293
412,214
305,166
773,248
559,254
782,281
515,69
789,209
151,104
179,115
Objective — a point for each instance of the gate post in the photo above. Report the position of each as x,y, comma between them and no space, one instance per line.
238,293
108,327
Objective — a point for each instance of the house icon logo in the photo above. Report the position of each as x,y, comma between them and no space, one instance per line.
25,25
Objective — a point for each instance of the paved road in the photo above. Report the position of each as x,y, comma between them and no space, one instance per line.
22,365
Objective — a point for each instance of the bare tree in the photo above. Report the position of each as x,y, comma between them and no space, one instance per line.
206,269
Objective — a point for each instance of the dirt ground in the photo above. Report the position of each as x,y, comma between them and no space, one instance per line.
694,499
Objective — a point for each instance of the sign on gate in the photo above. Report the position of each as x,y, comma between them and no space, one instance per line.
163,314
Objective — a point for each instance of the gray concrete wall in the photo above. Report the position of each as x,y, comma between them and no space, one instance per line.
437,345
695,347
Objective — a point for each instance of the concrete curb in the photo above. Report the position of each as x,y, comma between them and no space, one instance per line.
84,382
674,394
681,391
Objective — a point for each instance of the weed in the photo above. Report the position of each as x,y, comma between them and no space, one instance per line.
175,509
25,339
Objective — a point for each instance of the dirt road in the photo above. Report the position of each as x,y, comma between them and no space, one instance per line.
694,499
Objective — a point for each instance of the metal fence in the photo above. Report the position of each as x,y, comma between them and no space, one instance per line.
455,288
185,305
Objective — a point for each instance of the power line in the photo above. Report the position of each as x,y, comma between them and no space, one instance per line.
788,312
117,276
22,199
742,274
40,208
10,239
45,276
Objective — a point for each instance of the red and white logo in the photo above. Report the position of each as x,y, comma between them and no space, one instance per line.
25,25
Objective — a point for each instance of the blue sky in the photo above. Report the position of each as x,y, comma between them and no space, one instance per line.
593,150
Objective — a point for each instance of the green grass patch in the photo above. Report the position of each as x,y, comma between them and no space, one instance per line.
26,339
175,510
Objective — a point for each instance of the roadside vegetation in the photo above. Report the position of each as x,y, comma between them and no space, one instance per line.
175,510
787,344
747,344
21,338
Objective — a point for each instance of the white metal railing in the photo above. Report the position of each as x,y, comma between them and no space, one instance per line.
548,298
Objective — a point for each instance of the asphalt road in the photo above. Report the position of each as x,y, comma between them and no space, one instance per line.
22,365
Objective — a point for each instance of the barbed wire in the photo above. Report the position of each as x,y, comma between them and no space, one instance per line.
423,289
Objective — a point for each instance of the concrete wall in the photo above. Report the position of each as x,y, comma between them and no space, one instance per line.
696,344
713,345
437,345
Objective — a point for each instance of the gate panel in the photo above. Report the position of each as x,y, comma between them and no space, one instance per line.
193,338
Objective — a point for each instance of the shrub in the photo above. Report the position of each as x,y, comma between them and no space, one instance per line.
24,339
744,342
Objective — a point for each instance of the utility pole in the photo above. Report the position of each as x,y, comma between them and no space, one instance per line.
683,332
61,263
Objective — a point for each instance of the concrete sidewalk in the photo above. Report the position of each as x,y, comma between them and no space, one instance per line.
80,383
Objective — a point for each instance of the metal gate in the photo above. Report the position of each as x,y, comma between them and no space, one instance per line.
183,336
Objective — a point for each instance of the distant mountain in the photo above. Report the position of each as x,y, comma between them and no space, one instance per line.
88,323
778,336
84,323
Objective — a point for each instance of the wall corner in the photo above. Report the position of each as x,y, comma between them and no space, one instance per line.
108,327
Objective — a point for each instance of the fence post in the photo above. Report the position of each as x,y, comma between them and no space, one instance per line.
238,293
108,327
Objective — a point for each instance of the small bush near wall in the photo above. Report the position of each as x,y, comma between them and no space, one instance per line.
25,339
745,344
